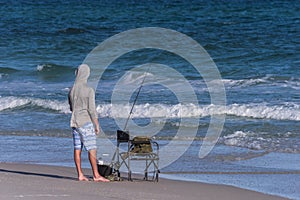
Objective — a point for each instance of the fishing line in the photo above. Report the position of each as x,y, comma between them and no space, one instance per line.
136,97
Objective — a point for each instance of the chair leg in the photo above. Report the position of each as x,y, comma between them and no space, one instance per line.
129,176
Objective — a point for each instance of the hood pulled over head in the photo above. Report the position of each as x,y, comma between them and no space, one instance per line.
82,73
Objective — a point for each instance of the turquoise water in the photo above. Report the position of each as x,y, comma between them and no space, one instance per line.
255,46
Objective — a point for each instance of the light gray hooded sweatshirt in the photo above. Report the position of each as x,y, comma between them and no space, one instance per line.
82,99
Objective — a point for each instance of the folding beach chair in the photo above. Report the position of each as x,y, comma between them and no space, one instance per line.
136,149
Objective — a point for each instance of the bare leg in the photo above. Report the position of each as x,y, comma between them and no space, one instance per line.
93,161
77,160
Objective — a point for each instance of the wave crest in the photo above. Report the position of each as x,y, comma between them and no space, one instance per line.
279,142
16,103
53,72
260,111
284,82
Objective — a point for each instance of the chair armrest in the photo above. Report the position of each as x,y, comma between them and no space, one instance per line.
156,144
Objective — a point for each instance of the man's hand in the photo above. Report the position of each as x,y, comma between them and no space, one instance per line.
97,129
96,125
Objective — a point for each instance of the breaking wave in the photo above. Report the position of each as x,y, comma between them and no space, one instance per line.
53,72
282,112
283,82
20,103
279,142
288,111
45,72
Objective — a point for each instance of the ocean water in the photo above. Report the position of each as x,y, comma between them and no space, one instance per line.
255,46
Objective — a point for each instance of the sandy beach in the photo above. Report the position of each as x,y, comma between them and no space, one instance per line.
31,181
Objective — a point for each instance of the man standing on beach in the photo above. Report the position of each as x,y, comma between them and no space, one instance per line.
84,122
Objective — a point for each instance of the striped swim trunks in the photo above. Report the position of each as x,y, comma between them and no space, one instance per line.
84,137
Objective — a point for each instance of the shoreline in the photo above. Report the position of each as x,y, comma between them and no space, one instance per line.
33,181
252,174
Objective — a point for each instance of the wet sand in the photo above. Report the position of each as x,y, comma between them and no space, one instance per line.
31,181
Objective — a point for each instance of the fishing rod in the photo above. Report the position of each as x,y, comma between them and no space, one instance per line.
136,97
115,162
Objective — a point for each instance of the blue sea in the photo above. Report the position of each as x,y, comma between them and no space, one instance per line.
255,46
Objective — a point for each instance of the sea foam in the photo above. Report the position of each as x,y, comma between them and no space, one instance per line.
279,142
288,111
25,102
261,111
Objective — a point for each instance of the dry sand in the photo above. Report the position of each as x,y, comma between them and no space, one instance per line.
27,181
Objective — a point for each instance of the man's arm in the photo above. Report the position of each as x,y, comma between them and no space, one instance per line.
92,111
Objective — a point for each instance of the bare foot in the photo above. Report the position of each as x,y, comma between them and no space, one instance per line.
100,179
83,178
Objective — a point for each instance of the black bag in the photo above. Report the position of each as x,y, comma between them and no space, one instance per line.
104,170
